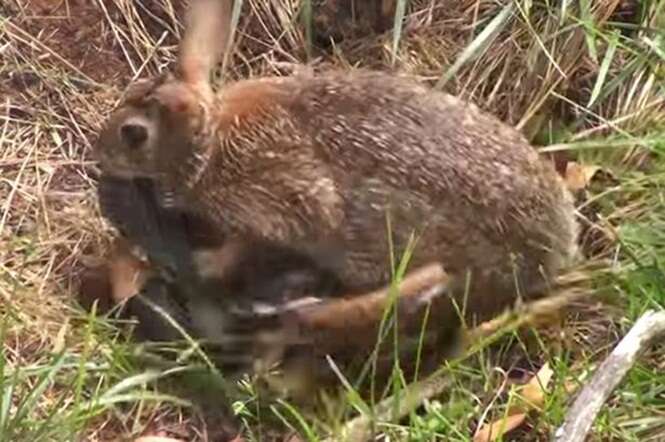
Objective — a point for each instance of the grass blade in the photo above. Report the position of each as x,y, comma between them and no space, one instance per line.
604,68
6,386
31,400
306,17
308,431
137,397
400,11
131,382
235,17
657,45
478,45
564,10
589,27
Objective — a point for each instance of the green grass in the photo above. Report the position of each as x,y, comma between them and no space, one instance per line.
56,396
63,373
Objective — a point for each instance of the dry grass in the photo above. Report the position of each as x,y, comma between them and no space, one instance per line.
65,63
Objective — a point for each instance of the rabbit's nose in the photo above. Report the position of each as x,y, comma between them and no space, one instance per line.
134,135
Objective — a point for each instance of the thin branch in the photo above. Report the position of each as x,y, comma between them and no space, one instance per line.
582,414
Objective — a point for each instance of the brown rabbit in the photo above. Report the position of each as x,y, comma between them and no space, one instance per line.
356,163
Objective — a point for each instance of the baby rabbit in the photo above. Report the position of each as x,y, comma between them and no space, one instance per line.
355,163
272,274
294,337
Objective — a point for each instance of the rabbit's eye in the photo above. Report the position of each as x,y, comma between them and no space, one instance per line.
134,135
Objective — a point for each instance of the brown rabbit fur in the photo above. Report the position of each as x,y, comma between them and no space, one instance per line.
332,159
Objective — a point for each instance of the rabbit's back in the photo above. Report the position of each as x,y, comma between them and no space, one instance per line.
325,157
472,182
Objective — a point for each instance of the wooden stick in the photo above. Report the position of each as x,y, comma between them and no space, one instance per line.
583,412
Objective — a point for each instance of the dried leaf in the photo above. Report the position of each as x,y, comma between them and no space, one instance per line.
495,430
59,342
535,390
570,386
579,176
533,393
127,272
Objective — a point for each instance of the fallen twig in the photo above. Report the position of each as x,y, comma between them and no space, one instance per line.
583,412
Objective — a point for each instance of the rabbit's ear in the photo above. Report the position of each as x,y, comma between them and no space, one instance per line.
207,35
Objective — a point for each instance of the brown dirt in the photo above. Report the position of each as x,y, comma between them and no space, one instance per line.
80,32
77,31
